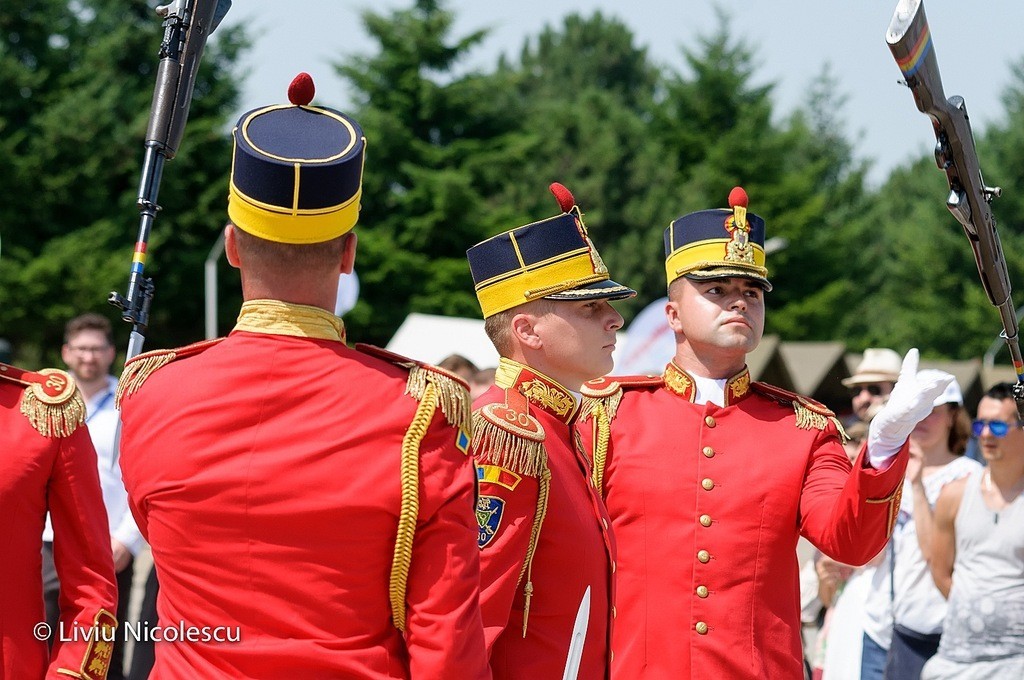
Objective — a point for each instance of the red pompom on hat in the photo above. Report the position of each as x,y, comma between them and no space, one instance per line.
563,196
738,197
301,91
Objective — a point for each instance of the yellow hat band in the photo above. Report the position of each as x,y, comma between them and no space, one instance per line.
525,285
274,223
710,254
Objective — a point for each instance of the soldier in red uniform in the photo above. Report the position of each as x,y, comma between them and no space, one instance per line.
309,506
547,555
710,478
49,464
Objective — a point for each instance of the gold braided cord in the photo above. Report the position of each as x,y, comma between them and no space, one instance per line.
410,475
450,395
610,404
138,370
544,488
493,445
602,434
53,420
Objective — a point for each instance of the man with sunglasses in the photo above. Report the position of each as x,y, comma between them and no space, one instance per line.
872,382
979,540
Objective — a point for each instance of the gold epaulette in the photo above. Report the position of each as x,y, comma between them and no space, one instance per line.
508,437
450,391
608,391
810,414
51,400
431,387
139,368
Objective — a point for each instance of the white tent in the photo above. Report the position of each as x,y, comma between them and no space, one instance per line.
431,338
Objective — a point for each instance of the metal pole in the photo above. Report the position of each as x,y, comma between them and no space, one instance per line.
210,269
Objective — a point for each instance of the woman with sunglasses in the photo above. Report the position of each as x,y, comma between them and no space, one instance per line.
937,445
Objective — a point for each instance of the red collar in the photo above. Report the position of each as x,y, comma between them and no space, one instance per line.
682,383
536,388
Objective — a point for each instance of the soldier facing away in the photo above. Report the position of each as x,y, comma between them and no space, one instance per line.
316,500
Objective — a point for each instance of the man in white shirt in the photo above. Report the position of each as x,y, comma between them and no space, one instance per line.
88,352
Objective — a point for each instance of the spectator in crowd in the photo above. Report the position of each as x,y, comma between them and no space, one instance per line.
88,352
481,382
459,365
842,589
904,608
977,553
872,382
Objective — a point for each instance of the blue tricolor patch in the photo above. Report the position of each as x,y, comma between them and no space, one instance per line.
488,517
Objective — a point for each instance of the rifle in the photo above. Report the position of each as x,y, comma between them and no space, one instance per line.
969,199
187,25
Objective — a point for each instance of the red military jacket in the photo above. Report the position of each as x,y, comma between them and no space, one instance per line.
707,504
49,464
544,537
314,501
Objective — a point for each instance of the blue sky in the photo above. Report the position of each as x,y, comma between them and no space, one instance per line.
792,41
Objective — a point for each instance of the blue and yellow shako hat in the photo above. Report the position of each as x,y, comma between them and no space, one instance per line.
296,170
552,259
712,244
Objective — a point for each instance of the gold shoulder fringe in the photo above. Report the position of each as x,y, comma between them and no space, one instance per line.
449,393
53,420
806,419
610,404
493,445
139,369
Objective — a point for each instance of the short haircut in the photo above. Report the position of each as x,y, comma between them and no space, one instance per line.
263,254
90,321
499,326
1000,391
459,365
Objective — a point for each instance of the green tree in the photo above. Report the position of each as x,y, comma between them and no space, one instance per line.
586,91
82,74
434,156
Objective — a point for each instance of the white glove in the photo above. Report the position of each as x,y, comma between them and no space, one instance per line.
910,402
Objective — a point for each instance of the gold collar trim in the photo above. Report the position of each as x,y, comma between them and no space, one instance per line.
682,383
275,317
539,389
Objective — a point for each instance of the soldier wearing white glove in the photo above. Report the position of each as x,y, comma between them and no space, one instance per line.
911,401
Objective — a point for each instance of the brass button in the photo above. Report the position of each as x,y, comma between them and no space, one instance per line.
703,556
613,567
709,421
614,612
702,591
708,452
707,484
702,628
705,520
